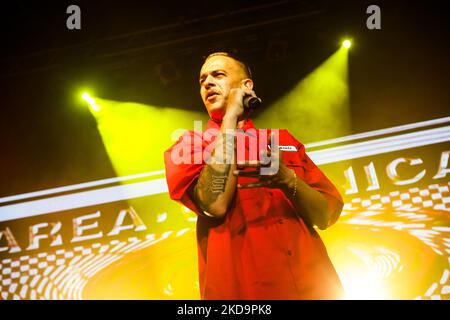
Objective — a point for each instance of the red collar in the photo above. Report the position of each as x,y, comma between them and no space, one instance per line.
216,124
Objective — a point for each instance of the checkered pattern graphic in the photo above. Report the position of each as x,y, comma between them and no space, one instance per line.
422,213
435,196
62,274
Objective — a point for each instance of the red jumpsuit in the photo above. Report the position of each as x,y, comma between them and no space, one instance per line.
262,248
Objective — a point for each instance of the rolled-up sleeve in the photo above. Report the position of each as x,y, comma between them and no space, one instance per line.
181,170
316,179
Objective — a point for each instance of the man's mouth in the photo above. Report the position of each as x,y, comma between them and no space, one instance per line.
211,96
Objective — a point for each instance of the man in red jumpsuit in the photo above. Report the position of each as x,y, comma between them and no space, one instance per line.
255,231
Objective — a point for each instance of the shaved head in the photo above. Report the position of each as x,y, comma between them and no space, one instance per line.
247,74
220,74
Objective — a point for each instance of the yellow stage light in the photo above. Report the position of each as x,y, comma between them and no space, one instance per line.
347,44
90,101
317,107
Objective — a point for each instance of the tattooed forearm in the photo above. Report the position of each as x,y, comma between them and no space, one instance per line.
216,185
211,184
223,152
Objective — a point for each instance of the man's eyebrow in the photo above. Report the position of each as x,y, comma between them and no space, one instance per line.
213,71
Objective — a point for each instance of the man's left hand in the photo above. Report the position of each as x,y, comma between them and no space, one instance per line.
283,178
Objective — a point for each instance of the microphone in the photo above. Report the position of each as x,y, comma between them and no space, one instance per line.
251,102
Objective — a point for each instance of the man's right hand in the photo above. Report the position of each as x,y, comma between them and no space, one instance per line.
235,104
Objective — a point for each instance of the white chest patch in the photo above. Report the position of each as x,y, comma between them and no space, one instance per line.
286,148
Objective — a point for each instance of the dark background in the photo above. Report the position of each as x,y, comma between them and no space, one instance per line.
151,51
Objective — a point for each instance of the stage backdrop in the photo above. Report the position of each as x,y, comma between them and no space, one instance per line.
123,238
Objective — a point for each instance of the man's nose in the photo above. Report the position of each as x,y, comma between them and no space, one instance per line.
209,82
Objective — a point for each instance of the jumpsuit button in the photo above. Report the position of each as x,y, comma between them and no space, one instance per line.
280,221
289,253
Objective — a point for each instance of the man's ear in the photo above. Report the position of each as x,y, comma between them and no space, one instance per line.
248,83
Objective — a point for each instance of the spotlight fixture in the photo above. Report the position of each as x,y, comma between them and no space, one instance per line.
90,101
346,44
